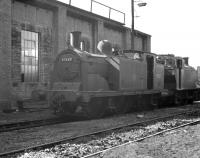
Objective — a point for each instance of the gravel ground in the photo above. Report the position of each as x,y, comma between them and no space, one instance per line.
85,146
181,143
30,137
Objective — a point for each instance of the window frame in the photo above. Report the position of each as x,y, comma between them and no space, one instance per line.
29,56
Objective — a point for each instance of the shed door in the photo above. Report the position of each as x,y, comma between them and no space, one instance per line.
150,66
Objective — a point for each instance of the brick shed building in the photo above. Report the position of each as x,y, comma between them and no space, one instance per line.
32,32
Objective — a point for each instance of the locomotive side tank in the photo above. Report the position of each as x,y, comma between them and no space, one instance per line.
186,75
140,71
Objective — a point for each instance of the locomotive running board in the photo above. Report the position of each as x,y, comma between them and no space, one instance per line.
87,95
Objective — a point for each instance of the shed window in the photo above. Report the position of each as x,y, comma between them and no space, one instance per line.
29,56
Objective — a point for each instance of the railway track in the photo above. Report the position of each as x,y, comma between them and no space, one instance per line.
28,124
51,144
35,123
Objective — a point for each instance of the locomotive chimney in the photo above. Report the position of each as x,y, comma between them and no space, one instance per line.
75,38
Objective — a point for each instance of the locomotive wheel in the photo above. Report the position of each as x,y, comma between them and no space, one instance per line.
119,104
57,103
178,100
96,108
155,101
190,101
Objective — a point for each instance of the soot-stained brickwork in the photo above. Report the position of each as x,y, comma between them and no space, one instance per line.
5,54
45,52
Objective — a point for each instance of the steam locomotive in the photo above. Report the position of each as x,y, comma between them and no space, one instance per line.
121,81
180,79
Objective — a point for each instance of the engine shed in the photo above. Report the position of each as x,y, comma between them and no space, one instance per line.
33,32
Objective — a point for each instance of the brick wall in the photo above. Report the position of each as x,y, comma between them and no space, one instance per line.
5,52
45,51
116,37
30,18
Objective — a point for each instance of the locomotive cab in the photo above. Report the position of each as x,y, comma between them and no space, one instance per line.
178,73
198,77
186,75
180,79
198,73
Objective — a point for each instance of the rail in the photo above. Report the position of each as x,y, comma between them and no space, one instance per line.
29,124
